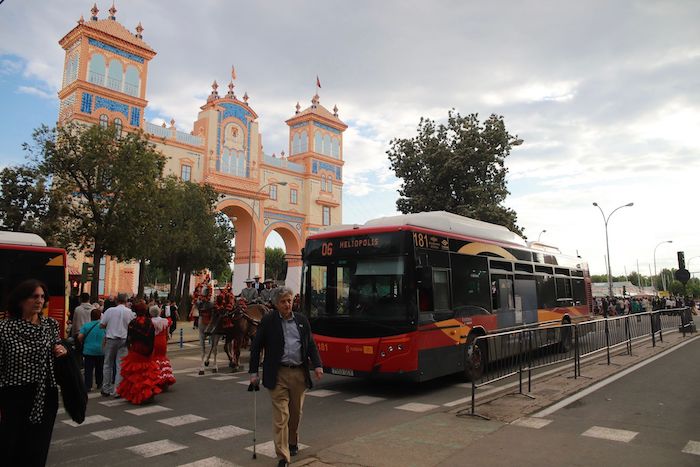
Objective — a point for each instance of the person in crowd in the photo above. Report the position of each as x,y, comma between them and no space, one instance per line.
160,348
290,352
266,293
140,373
174,316
109,303
115,321
99,305
92,335
256,283
81,315
249,294
194,316
29,343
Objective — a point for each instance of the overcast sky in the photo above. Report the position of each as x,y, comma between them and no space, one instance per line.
605,95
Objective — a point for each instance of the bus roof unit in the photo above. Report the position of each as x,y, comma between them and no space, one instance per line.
448,222
21,238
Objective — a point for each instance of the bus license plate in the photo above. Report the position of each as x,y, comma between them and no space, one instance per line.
342,372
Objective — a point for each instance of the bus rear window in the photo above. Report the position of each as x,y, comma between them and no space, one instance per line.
19,265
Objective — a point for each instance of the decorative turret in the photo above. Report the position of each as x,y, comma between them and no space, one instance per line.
214,93
139,30
113,13
94,10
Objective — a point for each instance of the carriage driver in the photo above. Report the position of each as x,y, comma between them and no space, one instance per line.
266,293
249,293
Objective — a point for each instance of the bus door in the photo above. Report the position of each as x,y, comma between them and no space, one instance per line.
503,301
526,298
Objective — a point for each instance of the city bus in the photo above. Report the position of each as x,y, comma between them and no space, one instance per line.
26,256
406,296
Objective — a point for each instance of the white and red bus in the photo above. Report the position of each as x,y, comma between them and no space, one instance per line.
26,256
406,296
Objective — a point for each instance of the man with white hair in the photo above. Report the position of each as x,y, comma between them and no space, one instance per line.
115,321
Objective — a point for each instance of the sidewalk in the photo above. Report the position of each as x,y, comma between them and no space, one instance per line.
446,438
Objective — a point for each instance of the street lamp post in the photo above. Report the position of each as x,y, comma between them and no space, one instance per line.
540,235
252,221
661,243
689,260
607,242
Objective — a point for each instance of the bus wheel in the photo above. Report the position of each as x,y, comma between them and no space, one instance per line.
475,359
565,343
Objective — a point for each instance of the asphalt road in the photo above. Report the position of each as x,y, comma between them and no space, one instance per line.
648,417
336,409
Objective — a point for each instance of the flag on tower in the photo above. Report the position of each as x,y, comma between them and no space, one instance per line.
233,72
318,82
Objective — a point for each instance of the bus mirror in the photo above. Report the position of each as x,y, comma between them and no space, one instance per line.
424,275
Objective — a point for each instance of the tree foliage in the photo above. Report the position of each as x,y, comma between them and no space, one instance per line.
99,175
275,264
456,167
26,202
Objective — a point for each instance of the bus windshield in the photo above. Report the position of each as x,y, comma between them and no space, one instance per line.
362,288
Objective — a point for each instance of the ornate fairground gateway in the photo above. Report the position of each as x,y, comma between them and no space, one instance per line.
104,82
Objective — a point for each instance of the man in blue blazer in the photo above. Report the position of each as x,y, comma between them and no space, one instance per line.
290,353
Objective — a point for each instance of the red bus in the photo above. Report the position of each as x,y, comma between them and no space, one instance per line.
26,256
406,296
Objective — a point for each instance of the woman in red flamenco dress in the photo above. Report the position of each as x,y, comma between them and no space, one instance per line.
160,347
140,374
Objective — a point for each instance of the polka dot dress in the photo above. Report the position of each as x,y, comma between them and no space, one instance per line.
26,357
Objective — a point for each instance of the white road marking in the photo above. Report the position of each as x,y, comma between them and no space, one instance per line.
223,432
147,410
210,462
611,434
181,420
119,432
94,395
60,411
195,359
206,373
529,422
417,407
185,370
591,389
156,448
322,393
365,400
224,378
246,383
268,449
461,401
114,402
693,447
88,420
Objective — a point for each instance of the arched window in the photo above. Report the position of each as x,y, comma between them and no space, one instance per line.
96,70
335,147
304,142
132,81
104,121
327,145
318,142
115,75
118,127
296,144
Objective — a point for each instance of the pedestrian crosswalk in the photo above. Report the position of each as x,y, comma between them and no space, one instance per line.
156,448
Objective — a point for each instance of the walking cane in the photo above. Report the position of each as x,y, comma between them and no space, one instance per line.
255,388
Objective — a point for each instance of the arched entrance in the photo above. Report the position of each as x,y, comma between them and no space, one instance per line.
292,247
245,264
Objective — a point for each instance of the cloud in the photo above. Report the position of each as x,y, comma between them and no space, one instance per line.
604,94
33,91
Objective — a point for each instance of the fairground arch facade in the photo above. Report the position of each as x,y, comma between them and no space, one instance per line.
294,193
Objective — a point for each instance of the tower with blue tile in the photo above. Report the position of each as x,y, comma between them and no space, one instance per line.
105,71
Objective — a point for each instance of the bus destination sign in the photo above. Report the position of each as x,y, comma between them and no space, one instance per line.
373,244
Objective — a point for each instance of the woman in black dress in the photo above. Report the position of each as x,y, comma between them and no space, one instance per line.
29,342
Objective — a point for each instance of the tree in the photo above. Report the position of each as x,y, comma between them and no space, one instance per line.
456,167
275,264
26,202
189,234
99,175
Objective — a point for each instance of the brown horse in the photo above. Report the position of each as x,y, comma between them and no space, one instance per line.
245,327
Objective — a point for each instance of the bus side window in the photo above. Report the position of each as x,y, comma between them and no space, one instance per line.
441,294
470,285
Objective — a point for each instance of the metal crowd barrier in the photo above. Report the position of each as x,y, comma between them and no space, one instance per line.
519,352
